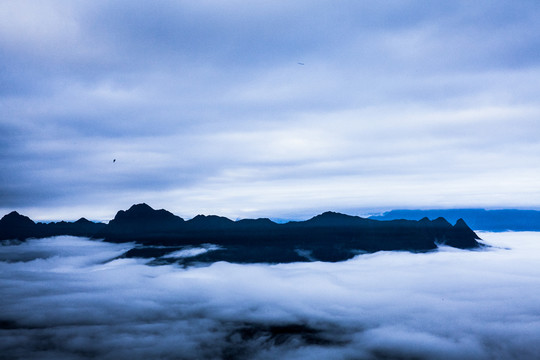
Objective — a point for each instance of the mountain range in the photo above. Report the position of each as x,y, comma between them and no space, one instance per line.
477,219
331,236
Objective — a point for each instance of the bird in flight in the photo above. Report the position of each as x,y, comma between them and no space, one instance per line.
114,160
300,63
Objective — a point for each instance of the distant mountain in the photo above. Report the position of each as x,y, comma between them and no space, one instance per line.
330,236
477,219
20,227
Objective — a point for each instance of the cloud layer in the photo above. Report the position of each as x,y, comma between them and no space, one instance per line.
206,110
70,298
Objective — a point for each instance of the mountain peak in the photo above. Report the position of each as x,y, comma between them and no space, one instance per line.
464,230
441,222
83,221
141,206
141,220
332,218
16,219
143,212
16,226
210,220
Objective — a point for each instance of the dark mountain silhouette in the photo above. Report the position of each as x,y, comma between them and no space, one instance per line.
327,237
262,223
330,236
20,227
81,227
477,219
17,226
206,222
333,219
141,222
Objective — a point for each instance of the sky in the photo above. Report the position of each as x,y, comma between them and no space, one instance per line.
71,298
280,109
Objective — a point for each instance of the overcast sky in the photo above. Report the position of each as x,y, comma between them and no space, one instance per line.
268,108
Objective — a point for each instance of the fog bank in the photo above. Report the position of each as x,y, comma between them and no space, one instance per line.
72,298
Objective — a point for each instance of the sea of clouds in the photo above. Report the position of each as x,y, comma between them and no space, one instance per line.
73,298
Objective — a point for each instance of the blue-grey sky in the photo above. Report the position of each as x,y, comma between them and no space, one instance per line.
206,109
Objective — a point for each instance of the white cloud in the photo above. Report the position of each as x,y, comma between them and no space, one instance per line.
37,26
72,301
192,251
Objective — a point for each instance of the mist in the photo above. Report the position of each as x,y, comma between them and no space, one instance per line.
74,298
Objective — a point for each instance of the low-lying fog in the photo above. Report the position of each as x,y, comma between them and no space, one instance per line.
67,298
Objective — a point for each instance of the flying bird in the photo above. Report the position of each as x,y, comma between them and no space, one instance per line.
300,63
114,160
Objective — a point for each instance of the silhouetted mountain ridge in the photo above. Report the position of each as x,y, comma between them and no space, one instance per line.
20,227
477,219
331,218
330,236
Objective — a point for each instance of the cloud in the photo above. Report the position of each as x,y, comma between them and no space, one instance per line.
73,298
198,98
192,251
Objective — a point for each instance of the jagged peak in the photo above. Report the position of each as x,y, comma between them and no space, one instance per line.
462,226
83,220
143,211
141,207
14,216
441,221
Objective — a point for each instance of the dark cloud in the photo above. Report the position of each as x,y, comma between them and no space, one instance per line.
71,298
